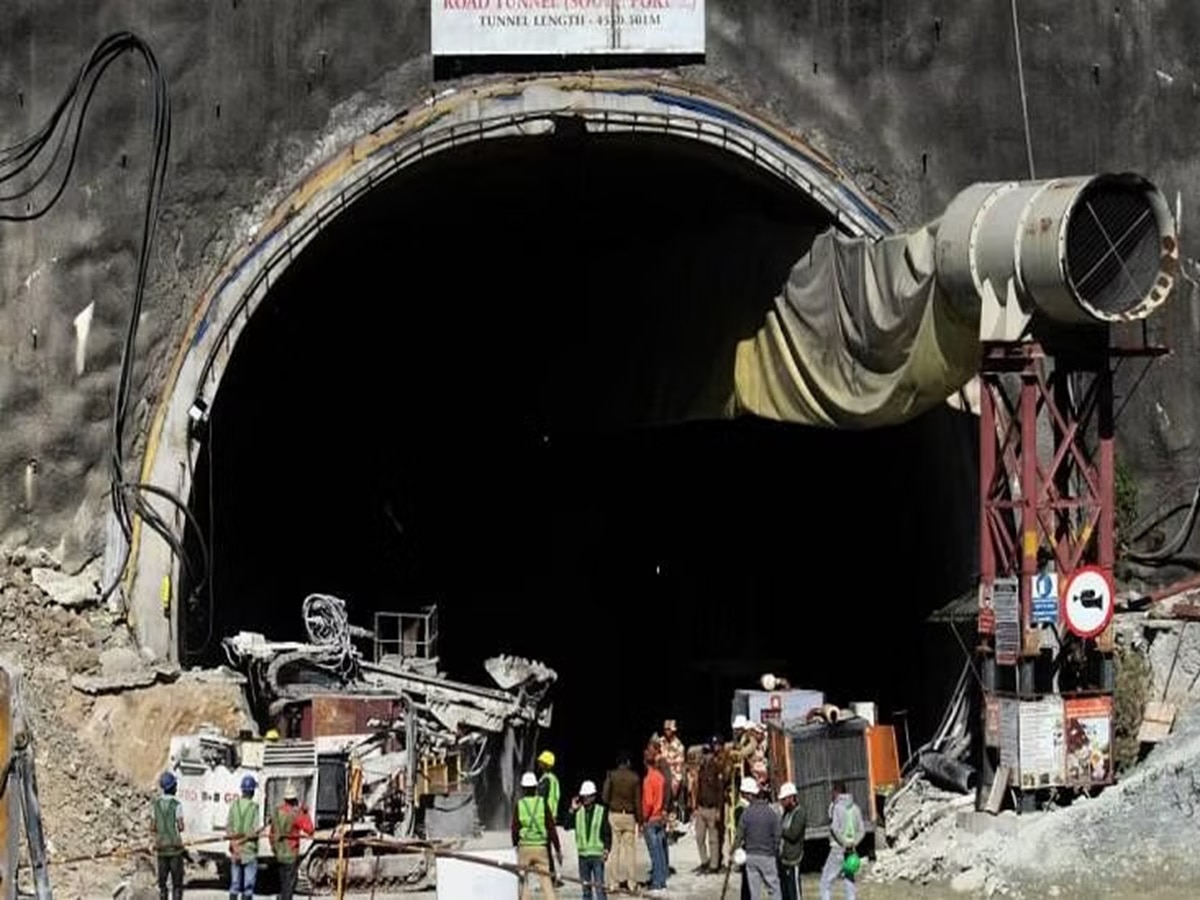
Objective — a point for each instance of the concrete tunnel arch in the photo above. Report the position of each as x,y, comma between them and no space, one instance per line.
507,109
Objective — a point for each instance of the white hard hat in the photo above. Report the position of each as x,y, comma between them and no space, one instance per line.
587,789
740,722
769,682
739,857
528,780
787,789
749,785
290,792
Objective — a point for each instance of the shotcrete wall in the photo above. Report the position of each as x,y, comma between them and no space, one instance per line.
916,99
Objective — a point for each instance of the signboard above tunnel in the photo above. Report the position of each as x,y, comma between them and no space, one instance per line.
566,27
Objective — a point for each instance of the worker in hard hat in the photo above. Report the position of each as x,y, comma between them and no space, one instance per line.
167,823
744,741
794,825
534,835
593,840
846,831
758,834
289,823
551,791
242,826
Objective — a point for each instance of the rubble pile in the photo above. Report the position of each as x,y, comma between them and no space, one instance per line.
1147,824
924,842
87,807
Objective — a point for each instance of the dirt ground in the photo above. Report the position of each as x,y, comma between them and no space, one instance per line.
108,880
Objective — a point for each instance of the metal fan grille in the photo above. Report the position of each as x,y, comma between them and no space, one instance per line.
1112,248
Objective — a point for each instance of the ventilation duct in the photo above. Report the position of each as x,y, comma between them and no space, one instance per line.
1088,250
871,333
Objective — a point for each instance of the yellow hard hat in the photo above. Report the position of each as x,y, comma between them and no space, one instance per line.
546,758
271,735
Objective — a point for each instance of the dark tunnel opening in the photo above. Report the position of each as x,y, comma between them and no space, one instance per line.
457,394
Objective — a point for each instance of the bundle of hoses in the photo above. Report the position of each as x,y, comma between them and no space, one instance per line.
42,164
328,626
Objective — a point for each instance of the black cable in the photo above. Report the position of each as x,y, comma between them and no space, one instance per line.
1172,548
127,499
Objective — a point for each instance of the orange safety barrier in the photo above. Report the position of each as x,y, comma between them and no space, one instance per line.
883,760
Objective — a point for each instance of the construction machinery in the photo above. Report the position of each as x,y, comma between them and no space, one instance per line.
381,751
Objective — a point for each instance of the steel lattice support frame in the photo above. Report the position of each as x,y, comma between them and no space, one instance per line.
1046,498
1036,494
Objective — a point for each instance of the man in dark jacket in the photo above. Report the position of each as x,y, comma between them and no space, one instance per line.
791,850
709,814
622,797
758,835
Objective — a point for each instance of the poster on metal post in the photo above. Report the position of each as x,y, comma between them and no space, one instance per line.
1042,744
566,27
1089,741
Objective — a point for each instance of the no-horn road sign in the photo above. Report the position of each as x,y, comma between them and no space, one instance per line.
1087,601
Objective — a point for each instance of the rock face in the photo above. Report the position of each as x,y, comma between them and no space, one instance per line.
916,102
87,806
97,759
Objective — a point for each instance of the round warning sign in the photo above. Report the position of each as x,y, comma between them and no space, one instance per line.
1087,601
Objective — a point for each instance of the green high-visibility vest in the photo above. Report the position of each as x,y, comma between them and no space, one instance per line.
285,820
166,827
553,792
531,816
243,826
587,834
851,833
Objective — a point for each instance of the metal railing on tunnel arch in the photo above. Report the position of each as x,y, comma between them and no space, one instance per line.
429,142
608,105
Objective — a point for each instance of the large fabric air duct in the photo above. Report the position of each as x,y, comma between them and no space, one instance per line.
874,332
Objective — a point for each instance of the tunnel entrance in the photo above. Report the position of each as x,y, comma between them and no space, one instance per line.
495,384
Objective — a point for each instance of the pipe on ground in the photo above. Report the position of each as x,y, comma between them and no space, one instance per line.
948,773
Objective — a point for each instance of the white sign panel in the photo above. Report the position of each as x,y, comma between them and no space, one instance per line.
1088,601
535,27
1042,747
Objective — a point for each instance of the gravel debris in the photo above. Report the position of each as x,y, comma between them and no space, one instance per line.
87,806
1145,826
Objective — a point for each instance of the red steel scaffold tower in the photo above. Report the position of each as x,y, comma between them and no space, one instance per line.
1058,267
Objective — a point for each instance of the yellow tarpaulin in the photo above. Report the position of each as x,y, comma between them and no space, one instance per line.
862,336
